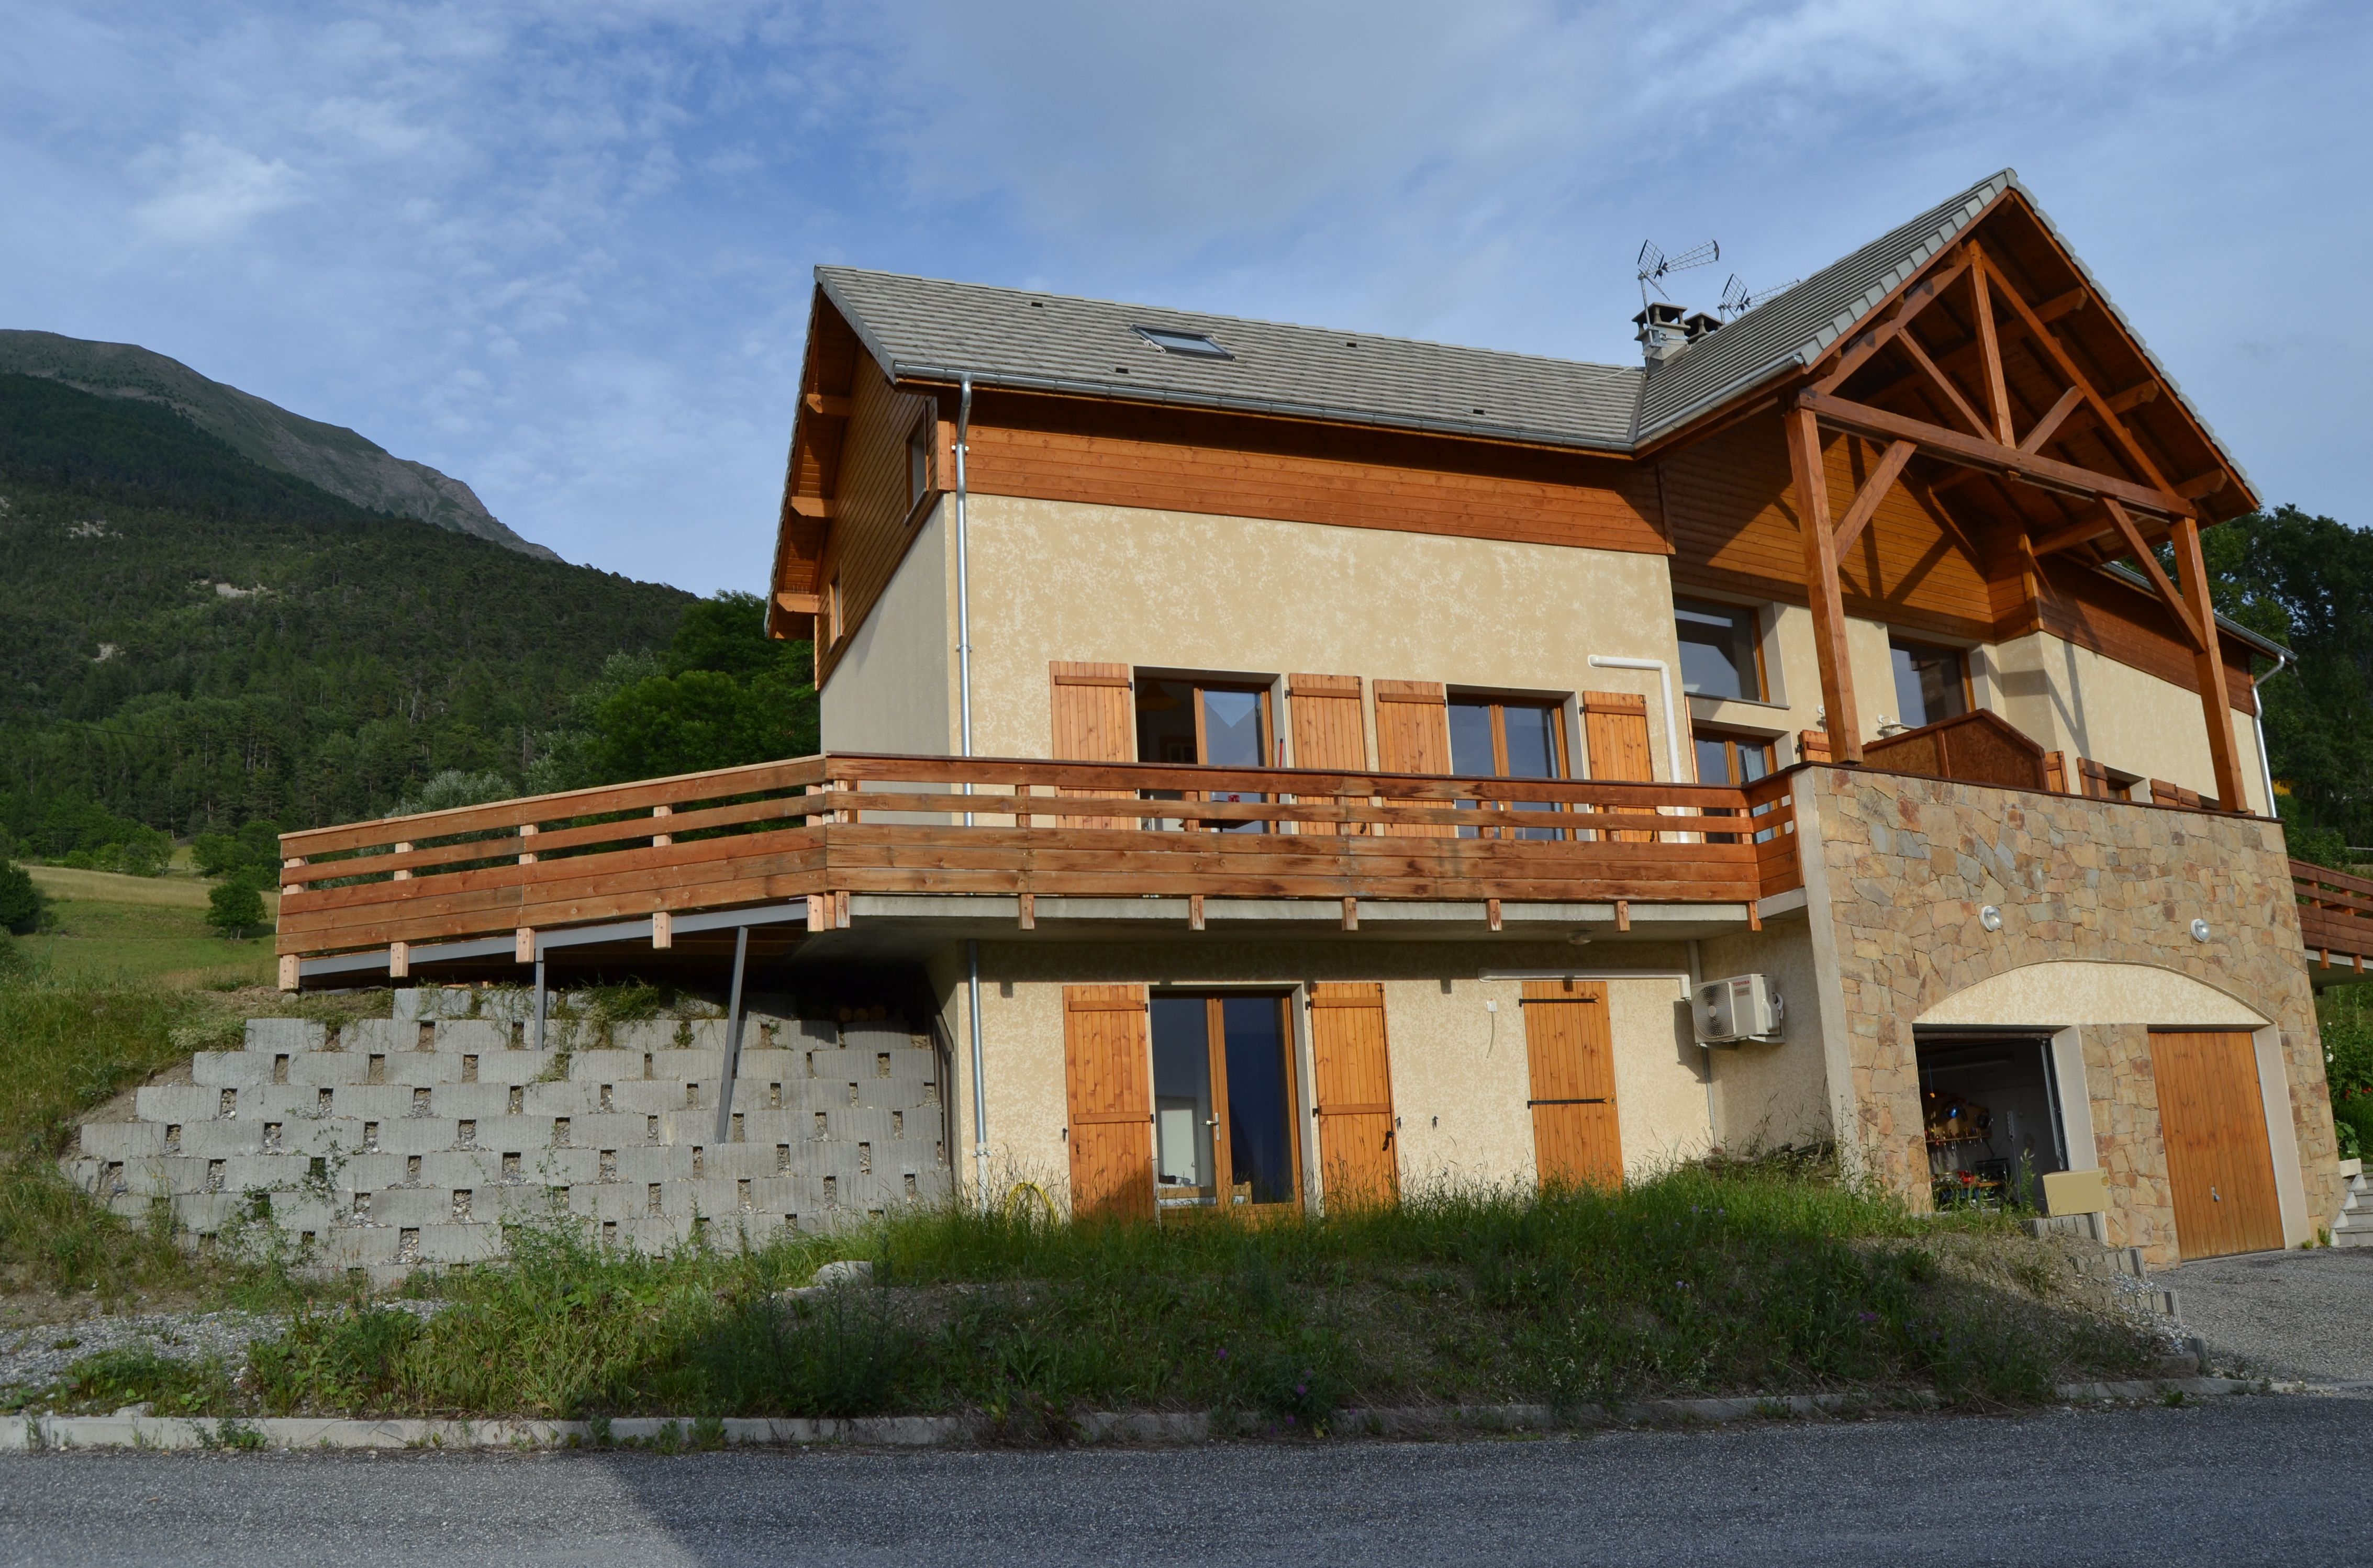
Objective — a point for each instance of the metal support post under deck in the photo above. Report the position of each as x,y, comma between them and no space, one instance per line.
732,1035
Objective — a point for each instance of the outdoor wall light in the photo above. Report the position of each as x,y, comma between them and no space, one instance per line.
2200,930
1991,917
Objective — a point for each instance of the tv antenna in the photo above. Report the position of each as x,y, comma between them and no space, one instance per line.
1737,299
1654,264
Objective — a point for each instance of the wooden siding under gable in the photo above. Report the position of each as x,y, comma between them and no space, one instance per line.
873,512
1188,460
1732,508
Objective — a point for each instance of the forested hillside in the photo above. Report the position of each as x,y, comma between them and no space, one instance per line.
190,641
2307,582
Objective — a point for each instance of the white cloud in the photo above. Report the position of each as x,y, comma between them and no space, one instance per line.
561,251
208,189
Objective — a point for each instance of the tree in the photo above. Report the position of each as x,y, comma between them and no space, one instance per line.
235,909
20,900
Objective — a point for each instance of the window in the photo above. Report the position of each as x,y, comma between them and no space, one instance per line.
1182,719
919,460
1931,683
832,621
1224,1103
1490,738
1194,344
1721,655
1731,759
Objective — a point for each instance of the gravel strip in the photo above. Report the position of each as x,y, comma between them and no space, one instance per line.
39,1355
2283,1314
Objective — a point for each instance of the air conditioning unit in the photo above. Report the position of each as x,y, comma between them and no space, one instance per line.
1741,1008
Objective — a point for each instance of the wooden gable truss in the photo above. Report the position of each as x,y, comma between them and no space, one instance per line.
1996,385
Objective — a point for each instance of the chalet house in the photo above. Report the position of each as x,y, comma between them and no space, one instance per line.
1271,767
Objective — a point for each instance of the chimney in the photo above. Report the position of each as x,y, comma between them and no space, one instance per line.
1700,325
1661,334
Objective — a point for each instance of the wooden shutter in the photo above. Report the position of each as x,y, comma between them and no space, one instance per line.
1328,731
1414,736
1357,1162
1570,1049
2212,1119
1615,732
1094,721
1107,1079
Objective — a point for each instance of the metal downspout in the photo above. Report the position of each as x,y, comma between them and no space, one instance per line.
1672,720
964,699
2257,722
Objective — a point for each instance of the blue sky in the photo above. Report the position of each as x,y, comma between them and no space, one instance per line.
562,252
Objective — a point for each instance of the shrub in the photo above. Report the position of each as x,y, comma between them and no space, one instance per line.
20,900
235,909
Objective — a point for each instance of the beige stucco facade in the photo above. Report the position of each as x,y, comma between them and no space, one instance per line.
1455,1038
2072,699
1882,938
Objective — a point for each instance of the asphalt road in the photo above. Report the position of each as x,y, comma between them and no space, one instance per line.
2233,1481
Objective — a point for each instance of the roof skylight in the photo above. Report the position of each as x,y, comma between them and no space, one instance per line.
1193,343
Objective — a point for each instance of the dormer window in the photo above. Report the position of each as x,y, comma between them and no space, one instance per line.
1195,344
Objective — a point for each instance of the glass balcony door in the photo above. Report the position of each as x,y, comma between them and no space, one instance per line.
1223,1105
1185,720
1495,739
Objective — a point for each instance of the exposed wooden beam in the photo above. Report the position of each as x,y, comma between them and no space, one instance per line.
2042,335
2052,419
827,405
2131,398
800,604
2147,559
1873,490
1941,383
1918,297
1821,583
2091,527
2202,485
1990,351
1971,451
2061,304
817,506
2209,665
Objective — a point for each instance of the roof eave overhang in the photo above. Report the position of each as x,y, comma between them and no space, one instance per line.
920,373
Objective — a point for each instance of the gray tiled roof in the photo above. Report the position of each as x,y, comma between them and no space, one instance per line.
1009,337
929,330
1796,327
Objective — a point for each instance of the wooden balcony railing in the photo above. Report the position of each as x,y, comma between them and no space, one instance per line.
2335,914
837,824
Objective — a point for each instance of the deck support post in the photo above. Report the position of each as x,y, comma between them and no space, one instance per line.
1812,486
2210,664
732,1060
542,997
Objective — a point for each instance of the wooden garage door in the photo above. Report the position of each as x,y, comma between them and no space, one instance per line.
1111,1131
1572,1051
2213,1120
1354,1096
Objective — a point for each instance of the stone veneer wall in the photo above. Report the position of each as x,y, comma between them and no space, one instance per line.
1907,863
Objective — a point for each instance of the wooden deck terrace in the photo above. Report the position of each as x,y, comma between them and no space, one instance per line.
679,868
2336,920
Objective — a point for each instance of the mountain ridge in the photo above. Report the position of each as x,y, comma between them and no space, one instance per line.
342,462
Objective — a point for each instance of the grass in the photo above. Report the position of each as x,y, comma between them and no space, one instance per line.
67,1045
106,927
1698,1282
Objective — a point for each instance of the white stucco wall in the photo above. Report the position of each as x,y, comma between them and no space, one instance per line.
895,688
2071,698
